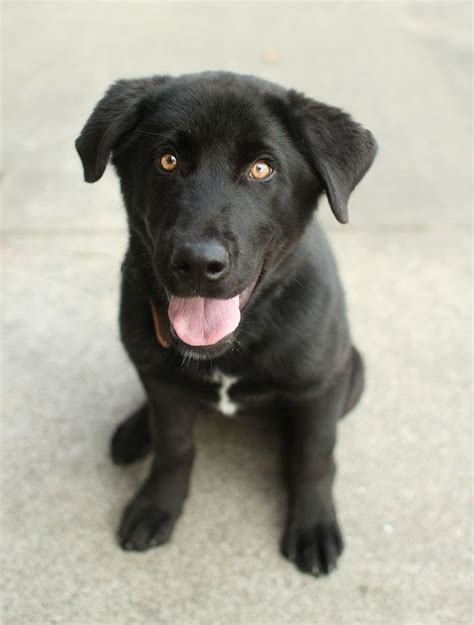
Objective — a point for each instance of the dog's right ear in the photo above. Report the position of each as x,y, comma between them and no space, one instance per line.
116,113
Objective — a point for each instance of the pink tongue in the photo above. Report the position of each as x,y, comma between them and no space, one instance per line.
203,321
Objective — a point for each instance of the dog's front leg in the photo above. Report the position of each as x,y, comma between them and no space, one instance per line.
312,539
149,518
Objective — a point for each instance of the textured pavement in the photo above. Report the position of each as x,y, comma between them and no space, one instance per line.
404,487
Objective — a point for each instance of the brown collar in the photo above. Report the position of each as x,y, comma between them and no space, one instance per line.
162,330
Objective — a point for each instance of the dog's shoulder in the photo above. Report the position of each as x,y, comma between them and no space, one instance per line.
302,321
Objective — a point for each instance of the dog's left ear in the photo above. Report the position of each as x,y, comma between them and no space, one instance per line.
340,150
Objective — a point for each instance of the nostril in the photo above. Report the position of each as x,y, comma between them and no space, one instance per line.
180,262
183,267
214,268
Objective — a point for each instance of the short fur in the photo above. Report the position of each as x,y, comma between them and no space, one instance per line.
292,352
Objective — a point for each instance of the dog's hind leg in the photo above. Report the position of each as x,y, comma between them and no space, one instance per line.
357,382
132,440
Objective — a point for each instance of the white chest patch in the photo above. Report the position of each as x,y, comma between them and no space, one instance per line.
225,405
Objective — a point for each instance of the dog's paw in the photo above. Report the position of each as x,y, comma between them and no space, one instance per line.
131,440
144,525
314,550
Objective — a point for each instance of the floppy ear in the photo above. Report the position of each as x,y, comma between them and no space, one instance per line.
117,112
340,150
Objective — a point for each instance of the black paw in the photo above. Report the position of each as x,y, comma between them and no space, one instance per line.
314,550
144,525
131,440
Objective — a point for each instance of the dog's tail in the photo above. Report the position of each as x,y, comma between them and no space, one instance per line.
357,381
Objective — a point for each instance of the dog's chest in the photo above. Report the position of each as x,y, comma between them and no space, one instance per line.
224,403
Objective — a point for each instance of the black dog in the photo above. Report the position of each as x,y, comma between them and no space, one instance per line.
230,294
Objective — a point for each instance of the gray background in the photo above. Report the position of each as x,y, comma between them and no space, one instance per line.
404,482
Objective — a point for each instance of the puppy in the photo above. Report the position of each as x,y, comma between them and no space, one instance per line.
230,295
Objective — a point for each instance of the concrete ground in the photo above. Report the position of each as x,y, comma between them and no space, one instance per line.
404,485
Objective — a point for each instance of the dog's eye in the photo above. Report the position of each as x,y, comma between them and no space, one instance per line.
168,162
261,170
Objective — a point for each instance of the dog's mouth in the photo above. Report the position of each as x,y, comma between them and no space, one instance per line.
202,322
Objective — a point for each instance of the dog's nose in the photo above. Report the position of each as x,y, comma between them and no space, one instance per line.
205,259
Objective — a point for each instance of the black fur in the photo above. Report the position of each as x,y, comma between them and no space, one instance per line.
292,350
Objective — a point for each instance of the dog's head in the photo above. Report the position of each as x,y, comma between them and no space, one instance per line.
220,174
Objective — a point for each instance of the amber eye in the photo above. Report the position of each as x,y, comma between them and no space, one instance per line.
168,162
260,170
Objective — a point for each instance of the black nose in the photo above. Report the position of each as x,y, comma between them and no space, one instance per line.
205,259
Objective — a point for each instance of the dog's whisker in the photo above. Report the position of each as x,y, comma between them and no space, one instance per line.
146,132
